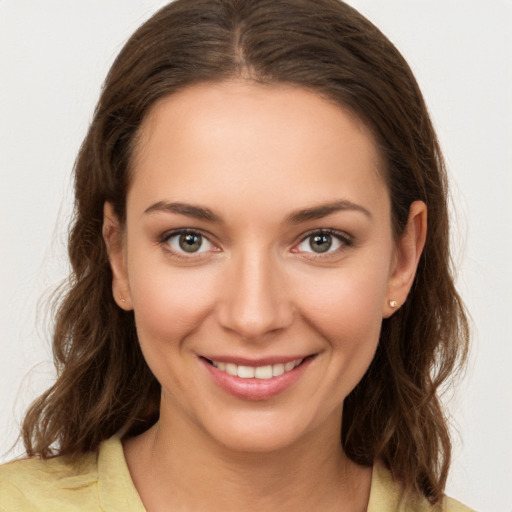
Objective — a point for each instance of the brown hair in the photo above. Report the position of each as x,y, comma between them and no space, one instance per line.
104,384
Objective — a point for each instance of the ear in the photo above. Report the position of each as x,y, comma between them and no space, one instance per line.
113,236
408,250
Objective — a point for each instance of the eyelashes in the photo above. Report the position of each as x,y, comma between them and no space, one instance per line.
188,242
323,241
191,244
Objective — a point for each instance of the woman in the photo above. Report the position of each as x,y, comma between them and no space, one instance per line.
261,309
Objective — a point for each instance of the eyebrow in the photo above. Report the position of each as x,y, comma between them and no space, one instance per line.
323,210
297,217
197,212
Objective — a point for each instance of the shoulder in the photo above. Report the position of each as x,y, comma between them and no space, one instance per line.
93,481
387,495
43,484
451,505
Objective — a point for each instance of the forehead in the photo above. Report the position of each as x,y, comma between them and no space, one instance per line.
234,139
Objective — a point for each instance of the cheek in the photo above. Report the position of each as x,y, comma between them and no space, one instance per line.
345,302
169,306
345,308
169,303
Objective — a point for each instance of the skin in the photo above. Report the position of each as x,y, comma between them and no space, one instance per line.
254,156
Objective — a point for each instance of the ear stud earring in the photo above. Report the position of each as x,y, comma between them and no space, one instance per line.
122,299
393,303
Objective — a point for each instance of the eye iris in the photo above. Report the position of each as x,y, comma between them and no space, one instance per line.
320,243
190,242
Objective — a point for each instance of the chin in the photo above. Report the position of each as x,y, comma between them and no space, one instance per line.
258,441
266,431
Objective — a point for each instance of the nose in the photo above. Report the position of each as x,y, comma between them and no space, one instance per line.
255,301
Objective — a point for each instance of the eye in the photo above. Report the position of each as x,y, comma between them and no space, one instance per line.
324,241
187,241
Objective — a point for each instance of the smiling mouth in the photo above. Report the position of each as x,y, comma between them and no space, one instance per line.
257,372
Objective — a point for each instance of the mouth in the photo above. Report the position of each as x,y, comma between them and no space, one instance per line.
256,380
265,372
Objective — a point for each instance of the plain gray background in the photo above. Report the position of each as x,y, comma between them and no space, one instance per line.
54,55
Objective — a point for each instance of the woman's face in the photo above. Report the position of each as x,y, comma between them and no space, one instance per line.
259,260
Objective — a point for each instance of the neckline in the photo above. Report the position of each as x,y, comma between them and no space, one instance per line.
117,491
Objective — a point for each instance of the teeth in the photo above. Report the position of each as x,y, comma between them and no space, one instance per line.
263,372
257,372
289,366
277,369
231,369
246,372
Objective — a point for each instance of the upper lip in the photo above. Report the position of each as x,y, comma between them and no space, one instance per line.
260,361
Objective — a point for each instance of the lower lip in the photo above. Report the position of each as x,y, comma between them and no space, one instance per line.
256,389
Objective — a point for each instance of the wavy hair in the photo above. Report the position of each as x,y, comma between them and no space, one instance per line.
104,385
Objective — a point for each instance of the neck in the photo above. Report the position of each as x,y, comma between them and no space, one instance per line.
179,467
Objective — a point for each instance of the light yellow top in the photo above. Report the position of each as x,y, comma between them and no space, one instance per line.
102,482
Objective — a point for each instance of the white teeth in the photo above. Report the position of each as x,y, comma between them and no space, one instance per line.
231,369
263,372
289,366
257,372
277,369
246,372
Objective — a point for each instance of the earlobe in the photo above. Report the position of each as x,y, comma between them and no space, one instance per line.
408,251
113,237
